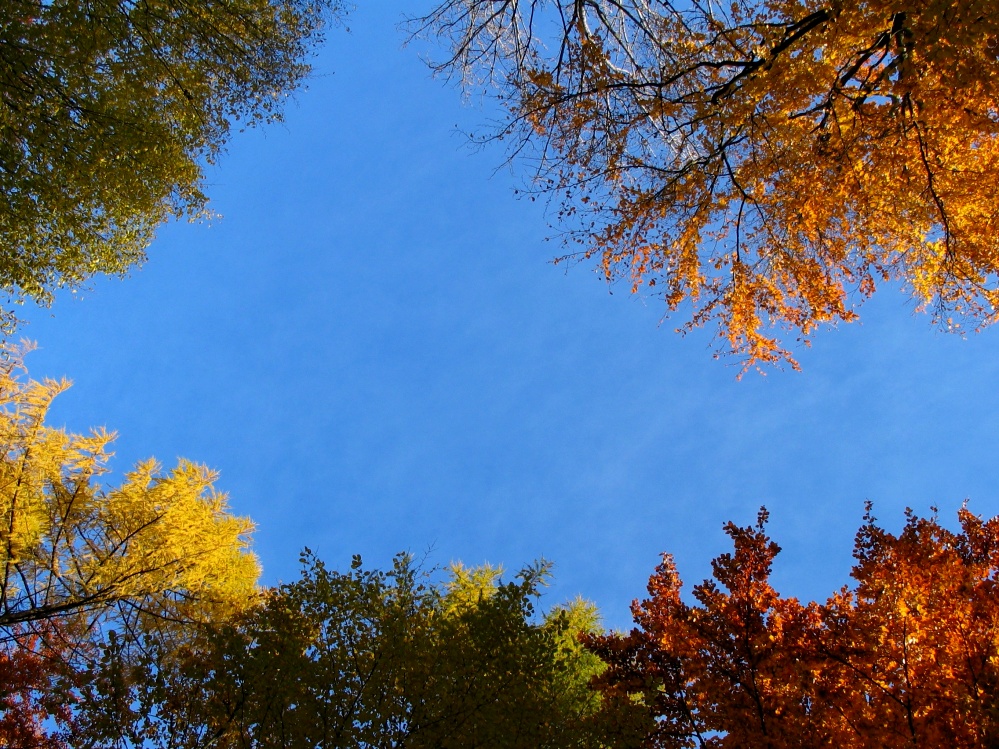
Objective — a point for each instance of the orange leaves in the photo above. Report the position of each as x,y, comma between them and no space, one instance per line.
762,167
922,633
908,658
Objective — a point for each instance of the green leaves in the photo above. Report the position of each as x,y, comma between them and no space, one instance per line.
369,658
108,112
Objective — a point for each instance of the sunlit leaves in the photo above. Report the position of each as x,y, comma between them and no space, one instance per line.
86,567
109,112
907,657
159,546
761,166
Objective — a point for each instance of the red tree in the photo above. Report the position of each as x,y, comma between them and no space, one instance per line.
36,689
908,657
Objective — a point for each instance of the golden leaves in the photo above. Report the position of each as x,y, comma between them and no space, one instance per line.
160,544
764,167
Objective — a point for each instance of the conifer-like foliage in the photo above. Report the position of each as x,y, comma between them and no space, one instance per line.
907,657
86,568
763,166
110,110
158,546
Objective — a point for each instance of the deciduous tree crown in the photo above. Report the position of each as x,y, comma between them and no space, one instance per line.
907,657
110,110
763,166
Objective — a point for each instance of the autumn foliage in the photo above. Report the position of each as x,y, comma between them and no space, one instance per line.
36,689
81,561
908,657
157,547
763,166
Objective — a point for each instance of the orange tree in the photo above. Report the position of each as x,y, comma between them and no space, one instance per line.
37,690
909,657
761,165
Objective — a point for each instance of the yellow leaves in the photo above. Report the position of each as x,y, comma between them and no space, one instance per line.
162,544
469,586
30,455
172,533
540,78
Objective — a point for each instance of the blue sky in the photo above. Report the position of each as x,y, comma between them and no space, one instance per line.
375,351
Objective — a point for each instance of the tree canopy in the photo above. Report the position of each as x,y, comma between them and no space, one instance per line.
763,166
368,658
109,112
907,657
81,562
157,545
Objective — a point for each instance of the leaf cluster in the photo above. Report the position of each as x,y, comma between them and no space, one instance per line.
763,166
109,111
158,545
908,657
80,561
366,658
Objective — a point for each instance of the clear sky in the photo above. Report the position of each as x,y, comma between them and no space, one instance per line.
374,350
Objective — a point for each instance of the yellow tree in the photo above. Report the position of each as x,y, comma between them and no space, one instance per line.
157,547
763,166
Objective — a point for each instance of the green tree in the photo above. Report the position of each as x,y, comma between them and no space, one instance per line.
763,166
369,658
109,111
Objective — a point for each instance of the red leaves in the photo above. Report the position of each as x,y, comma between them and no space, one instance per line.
35,691
908,657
